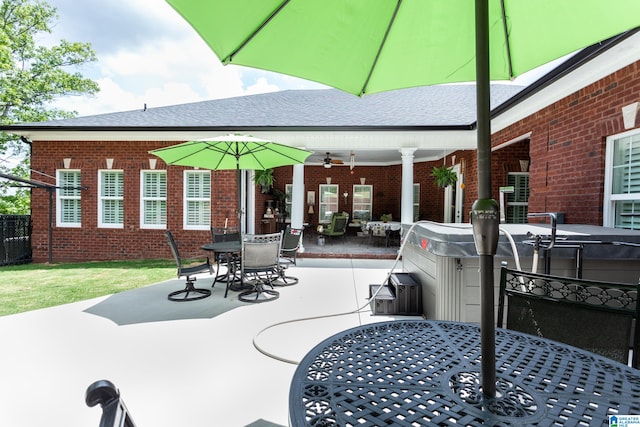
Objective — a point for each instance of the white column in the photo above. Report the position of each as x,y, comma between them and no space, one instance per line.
406,199
297,197
250,209
297,200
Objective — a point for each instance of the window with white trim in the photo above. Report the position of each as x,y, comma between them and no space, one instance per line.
110,198
197,200
68,199
153,199
328,202
622,181
362,202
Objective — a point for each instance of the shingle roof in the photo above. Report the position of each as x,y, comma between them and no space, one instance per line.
443,105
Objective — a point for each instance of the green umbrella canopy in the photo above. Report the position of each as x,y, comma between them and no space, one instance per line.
231,152
367,46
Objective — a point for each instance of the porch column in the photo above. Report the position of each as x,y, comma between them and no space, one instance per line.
406,200
249,223
297,199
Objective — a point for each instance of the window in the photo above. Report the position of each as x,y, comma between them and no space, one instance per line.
68,207
416,202
110,199
328,202
153,199
518,201
197,200
622,181
362,202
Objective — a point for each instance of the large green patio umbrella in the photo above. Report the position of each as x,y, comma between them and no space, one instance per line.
367,46
232,151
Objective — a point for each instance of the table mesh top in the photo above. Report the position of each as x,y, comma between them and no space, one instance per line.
417,373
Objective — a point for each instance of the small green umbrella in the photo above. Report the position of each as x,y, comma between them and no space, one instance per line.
232,152
367,46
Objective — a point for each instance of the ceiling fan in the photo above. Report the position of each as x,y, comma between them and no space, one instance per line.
328,161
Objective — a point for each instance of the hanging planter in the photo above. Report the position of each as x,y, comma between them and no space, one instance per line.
444,176
264,178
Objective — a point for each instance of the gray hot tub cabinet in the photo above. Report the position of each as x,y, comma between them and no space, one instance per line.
442,257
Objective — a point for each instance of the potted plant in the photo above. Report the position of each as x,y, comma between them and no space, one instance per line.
264,178
386,217
444,176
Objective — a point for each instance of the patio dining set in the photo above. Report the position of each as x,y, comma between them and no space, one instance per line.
255,264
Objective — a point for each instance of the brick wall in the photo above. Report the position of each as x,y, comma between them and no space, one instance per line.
130,242
567,146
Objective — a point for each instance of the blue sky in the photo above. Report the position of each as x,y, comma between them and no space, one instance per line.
147,54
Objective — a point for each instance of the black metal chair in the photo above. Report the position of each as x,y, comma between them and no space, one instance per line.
600,317
224,234
260,265
114,411
190,292
288,253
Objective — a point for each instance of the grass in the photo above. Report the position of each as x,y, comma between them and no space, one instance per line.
32,286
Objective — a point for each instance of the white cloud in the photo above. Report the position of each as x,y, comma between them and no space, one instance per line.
148,54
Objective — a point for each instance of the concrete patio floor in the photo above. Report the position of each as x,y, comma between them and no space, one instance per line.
184,364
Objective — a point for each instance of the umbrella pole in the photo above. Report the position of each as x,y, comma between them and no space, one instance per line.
484,214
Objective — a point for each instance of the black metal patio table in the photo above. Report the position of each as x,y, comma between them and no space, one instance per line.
229,249
424,372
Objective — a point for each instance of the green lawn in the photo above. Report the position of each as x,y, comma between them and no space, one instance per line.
33,286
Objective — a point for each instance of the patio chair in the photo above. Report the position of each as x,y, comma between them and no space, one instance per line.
190,292
259,261
288,252
337,227
596,316
114,411
224,234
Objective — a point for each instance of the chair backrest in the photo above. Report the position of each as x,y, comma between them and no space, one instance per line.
379,231
222,234
291,239
174,249
596,316
261,251
339,222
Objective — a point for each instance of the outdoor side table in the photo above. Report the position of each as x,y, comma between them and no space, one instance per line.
423,372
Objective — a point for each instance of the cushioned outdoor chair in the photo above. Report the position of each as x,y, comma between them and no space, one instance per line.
260,266
190,292
600,317
337,227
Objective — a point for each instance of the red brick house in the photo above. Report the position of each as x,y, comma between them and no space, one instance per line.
579,155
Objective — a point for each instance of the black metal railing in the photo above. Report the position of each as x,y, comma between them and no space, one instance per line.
15,239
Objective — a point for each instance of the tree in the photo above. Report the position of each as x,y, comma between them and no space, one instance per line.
31,76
